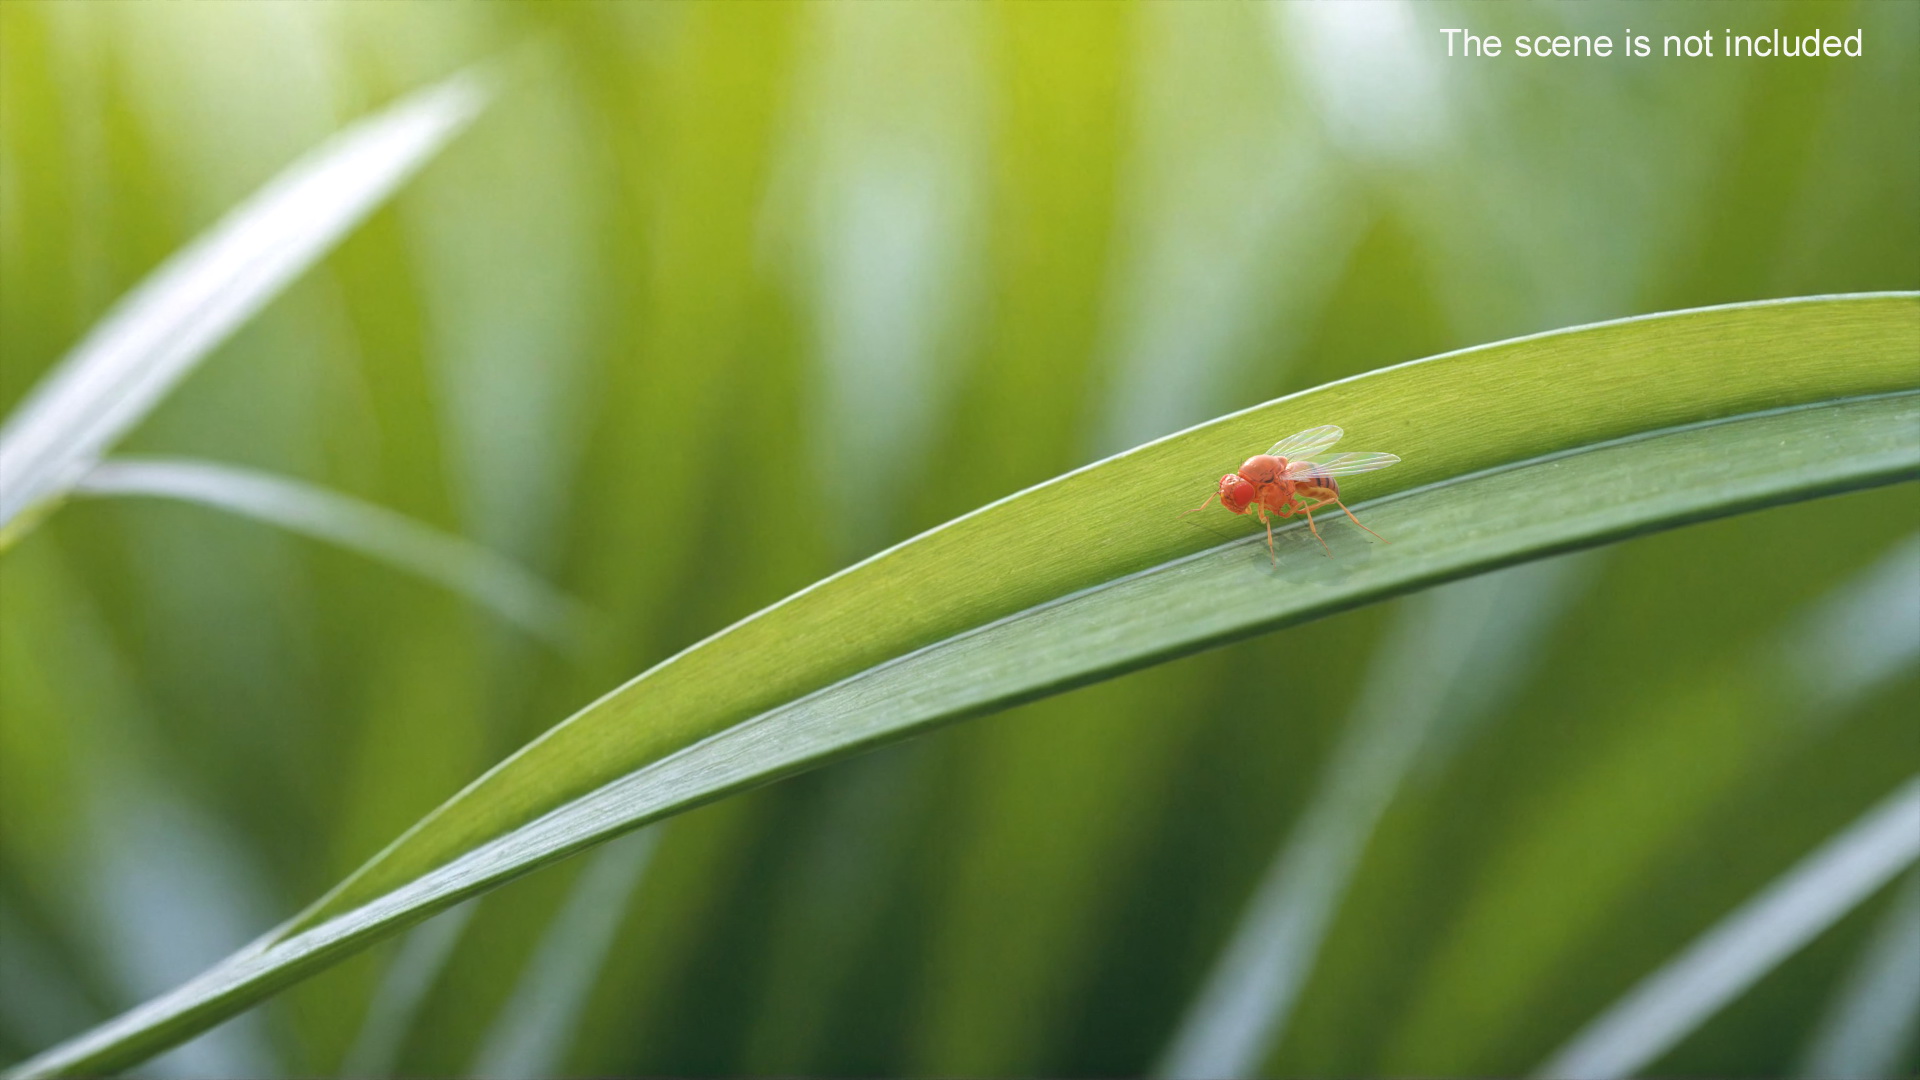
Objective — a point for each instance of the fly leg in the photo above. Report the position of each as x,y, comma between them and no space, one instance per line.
1356,521
1306,509
1335,500
1262,511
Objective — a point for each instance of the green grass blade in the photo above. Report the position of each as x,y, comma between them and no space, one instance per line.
410,976
1455,655
486,578
1859,637
158,332
531,1034
1669,1004
1576,853
1876,1010
1513,452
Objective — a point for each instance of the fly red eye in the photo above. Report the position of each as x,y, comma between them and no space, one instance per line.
1236,493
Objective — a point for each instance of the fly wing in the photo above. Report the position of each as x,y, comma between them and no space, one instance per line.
1307,443
1339,465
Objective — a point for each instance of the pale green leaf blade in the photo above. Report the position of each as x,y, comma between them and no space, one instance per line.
1877,1007
530,1035
1451,657
1670,1003
410,976
158,332
483,576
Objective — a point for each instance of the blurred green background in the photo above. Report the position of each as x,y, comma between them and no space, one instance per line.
908,260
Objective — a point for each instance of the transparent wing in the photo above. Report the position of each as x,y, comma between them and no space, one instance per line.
1307,443
1339,465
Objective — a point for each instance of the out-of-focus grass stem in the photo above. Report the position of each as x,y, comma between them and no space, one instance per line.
486,578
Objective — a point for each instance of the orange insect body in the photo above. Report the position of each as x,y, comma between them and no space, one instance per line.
1286,481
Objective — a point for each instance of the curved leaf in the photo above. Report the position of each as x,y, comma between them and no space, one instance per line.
182,311
483,576
1723,963
1513,451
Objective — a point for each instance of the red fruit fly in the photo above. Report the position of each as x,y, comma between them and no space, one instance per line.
1286,481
